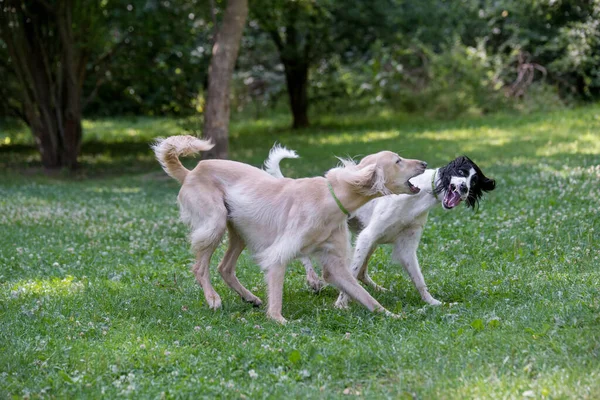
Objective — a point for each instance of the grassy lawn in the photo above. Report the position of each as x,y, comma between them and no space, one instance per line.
97,299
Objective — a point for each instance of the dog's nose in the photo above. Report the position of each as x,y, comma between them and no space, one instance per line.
423,164
463,188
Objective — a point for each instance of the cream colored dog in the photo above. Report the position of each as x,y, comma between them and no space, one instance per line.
278,219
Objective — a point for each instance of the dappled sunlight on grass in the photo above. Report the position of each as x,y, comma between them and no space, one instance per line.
51,286
346,138
114,190
137,129
465,134
506,378
261,126
582,144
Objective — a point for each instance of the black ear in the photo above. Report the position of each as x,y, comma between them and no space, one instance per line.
488,185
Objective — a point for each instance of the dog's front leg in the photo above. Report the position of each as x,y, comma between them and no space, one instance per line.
275,275
405,253
338,274
365,245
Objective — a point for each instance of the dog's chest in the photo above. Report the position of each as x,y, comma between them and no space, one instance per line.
393,227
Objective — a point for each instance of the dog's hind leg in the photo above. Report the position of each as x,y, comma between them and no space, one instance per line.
364,277
227,267
204,242
311,276
366,243
405,253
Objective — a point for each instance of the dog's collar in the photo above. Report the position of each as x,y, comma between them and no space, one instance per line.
433,192
337,201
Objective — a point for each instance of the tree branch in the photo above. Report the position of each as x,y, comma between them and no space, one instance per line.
213,14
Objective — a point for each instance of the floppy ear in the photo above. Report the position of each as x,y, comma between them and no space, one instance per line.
488,185
368,180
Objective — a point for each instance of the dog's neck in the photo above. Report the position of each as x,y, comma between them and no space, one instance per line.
428,182
347,195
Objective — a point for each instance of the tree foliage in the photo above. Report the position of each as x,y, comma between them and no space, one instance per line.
436,56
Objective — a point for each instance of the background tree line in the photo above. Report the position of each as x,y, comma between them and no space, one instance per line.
151,57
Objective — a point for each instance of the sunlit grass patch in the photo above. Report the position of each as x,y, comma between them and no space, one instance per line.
54,286
132,129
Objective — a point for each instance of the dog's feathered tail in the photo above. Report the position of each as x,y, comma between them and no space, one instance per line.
168,151
277,154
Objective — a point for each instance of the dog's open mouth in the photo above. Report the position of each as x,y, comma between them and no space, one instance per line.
452,198
413,189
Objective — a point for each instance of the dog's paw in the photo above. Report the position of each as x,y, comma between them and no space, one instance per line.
255,301
341,303
214,301
316,285
278,318
391,314
380,288
433,302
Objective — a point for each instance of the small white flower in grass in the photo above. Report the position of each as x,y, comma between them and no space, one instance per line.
167,353
347,335
197,328
56,264
176,343
304,373
257,327
253,374
142,346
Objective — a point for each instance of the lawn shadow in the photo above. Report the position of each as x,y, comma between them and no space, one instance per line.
513,139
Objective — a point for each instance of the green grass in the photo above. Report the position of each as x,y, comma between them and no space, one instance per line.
97,299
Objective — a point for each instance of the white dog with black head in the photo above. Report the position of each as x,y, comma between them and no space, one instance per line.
400,219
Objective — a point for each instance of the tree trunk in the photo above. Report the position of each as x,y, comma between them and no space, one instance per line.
295,47
296,77
72,79
222,63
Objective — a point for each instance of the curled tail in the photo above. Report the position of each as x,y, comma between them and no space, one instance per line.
168,151
277,154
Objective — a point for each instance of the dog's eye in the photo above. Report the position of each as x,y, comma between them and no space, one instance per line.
399,161
461,172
